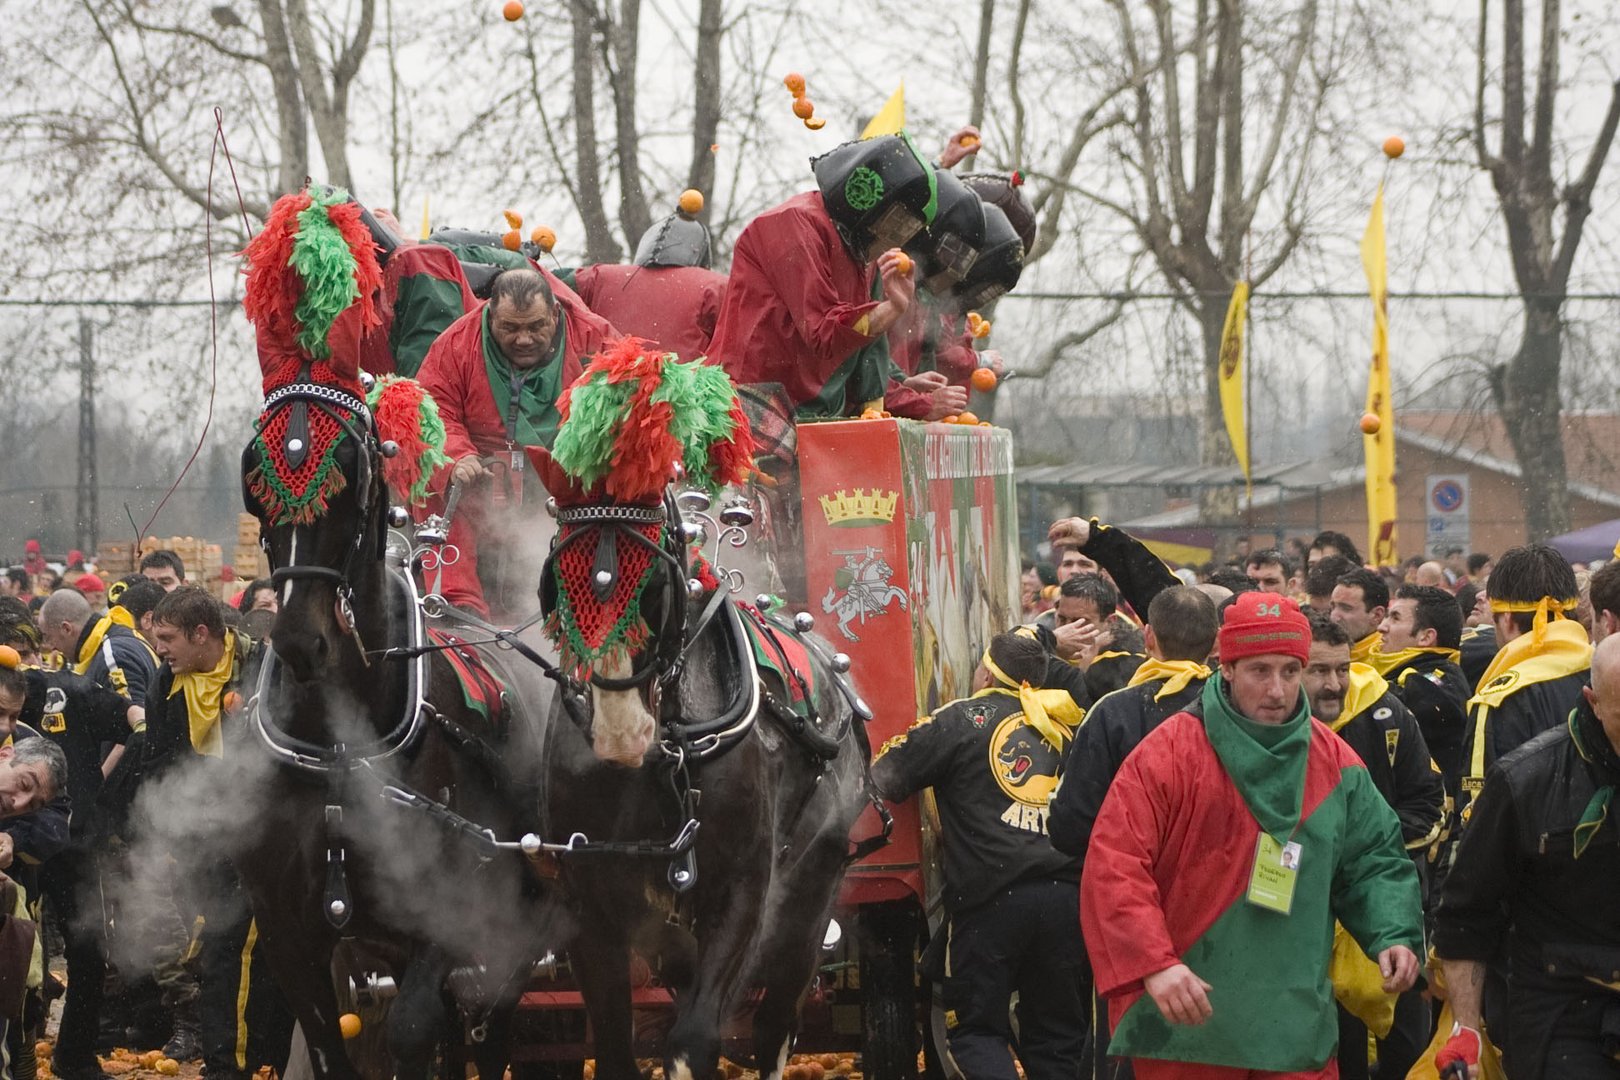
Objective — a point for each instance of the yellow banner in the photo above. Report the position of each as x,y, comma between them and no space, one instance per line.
891,118
1231,374
1380,446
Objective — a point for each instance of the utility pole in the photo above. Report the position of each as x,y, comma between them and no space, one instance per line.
86,511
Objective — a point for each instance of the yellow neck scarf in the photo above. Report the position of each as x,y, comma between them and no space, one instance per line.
1053,713
1555,647
87,651
1386,662
1366,687
1175,673
1362,651
205,699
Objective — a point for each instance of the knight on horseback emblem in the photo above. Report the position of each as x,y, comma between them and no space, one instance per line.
864,577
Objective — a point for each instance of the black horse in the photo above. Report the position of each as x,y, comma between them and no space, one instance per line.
382,765
688,728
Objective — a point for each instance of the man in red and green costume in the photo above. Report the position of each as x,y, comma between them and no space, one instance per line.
1231,840
817,282
496,374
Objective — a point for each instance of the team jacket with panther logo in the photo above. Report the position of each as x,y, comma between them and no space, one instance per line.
992,774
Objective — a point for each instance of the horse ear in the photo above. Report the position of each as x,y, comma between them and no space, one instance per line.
561,486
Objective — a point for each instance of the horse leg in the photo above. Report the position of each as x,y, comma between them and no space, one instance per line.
304,973
724,938
791,952
602,963
418,1015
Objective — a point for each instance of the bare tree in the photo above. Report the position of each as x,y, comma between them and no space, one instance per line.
1526,388
326,81
1195,184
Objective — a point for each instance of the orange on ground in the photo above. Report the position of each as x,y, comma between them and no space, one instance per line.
168,1067
794,82
511,240
543,238
1394,146
803,108
514,220
513,11
815,123
349,1025
691,201
43,1049
984,379
965,417
1370,423
814,1070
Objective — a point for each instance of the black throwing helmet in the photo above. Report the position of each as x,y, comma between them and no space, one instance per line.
1000,262
947,249
677,240
879,192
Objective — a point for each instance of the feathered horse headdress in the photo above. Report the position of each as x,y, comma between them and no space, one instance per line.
312,283
630,423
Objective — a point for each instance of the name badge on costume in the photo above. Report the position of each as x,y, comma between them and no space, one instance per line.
1276,870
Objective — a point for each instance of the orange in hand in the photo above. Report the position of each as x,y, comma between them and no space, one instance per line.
803,108
794,82
968,142
984,379
902,261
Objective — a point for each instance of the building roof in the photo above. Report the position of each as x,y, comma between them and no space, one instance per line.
1591,439
1279,488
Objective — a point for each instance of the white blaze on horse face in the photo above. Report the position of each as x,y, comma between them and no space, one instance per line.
292,560
622,730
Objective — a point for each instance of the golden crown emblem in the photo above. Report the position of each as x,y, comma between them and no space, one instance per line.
861,508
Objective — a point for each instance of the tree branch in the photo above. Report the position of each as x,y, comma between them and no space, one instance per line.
1073,339
1487,160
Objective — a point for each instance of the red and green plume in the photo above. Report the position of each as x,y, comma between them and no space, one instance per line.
408,415
636,413
312,280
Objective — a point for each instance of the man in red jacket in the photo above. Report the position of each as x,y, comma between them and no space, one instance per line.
816,285
496,374
668,295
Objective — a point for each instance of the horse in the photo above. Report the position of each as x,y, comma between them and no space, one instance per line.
717,791
388,788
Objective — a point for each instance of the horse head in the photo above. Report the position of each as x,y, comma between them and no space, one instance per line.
614,591
614,587
318,475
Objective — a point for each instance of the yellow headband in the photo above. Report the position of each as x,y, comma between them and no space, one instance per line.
1546,603
1053,713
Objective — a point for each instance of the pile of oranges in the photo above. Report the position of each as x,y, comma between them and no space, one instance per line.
966,419
121,1062
803,107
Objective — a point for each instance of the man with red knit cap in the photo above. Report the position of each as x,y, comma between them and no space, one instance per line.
1230,842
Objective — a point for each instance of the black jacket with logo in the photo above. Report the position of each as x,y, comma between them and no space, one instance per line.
992,776
1389,742
80,716
1517,882
1436,692
1107,735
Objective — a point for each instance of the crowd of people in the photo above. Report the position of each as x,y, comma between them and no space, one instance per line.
102,688
1286,816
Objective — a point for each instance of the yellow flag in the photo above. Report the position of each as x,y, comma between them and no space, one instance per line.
1379,447
892,117
1231,375
426,221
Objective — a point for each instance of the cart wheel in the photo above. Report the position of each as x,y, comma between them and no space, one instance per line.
889,934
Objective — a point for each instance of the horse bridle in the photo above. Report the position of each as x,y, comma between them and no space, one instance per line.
343,408
612,521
